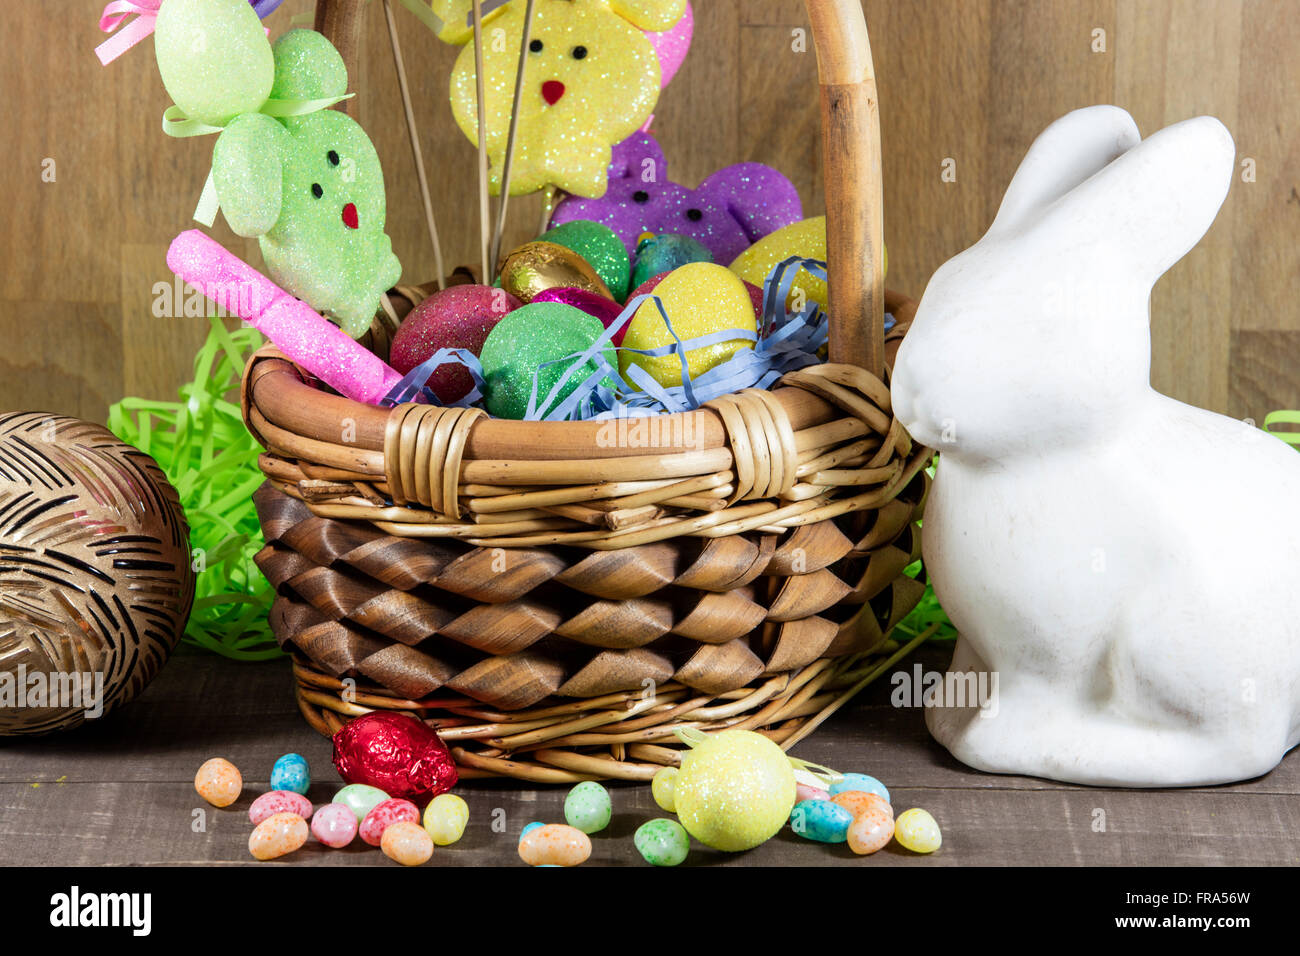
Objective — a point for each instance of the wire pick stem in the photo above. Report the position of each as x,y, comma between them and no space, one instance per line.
510,140
484,205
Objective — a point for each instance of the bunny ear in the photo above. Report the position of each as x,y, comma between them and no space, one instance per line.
307,67
213,57
1147,208
1064,155
450,19
656,15
758,197
246,170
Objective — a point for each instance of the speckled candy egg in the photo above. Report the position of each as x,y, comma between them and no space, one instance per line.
662,787
821,820
279,801
291,772
334,825
407,843
917,831
871,831
556,845
700,298
602,249
860,782
219,782
277,835
360,798
735,790
458,317
858,802
588,807
525,340
662,842
445,818
385,814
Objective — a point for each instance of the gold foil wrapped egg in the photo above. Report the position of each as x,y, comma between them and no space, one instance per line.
538,265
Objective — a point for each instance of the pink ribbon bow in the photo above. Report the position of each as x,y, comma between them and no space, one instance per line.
132,33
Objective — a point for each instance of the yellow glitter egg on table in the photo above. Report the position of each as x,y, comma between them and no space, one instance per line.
699,297
735,790
806,238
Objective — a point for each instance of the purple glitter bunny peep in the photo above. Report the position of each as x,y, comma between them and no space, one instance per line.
728,212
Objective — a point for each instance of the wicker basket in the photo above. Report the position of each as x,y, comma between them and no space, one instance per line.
556,598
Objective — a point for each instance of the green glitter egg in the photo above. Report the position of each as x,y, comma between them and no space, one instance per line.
527,338
603,250
662,842
588,807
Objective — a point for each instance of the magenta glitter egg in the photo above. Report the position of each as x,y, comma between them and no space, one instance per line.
458,317
595,305
395,752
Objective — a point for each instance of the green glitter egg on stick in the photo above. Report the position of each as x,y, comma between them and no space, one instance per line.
525,340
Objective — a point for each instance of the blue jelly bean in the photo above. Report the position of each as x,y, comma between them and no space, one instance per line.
291,773
821,820
863,782
529,829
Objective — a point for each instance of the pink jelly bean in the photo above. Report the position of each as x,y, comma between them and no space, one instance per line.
279,801
384,815
804,791
334,825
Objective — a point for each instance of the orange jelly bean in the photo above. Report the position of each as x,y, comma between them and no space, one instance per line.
407,842
219,782
277,835
555,844
858,802
871,830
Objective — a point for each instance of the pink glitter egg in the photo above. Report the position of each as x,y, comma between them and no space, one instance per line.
595,305
278,801
334,825
458,317
384,815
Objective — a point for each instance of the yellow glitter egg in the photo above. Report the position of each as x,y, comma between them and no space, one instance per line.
806,238
699,297
917,831
591,80
735,790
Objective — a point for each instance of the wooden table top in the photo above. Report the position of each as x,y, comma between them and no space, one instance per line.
121,792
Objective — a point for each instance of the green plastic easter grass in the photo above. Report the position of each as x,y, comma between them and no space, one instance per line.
203,447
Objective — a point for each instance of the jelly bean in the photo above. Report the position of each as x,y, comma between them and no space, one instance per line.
408,843
291,772
821,820
917,831
360,798
871,830
663,786
529,829
445,818
384,815
218,782
860,781
806,791
334,825
277,835
662,842
587,807
279,801
858,802
555,843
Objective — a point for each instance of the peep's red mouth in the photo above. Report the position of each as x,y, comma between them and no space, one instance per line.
350,215
552,90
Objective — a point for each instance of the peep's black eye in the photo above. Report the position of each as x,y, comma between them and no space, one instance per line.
535,46
316,190
333,157
640,196
579,52
694,215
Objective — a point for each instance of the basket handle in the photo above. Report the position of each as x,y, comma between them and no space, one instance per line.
851,161
340,22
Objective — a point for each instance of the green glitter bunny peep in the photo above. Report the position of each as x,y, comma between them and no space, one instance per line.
309,187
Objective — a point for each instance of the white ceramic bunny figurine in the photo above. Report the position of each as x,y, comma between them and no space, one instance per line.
1122,567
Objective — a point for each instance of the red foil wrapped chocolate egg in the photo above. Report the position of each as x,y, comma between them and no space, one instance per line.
395,752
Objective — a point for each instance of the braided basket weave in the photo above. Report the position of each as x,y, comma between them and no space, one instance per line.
555,598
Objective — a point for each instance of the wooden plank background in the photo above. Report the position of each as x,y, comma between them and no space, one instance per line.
971,81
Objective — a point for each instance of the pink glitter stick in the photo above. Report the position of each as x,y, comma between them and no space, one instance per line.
297,330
